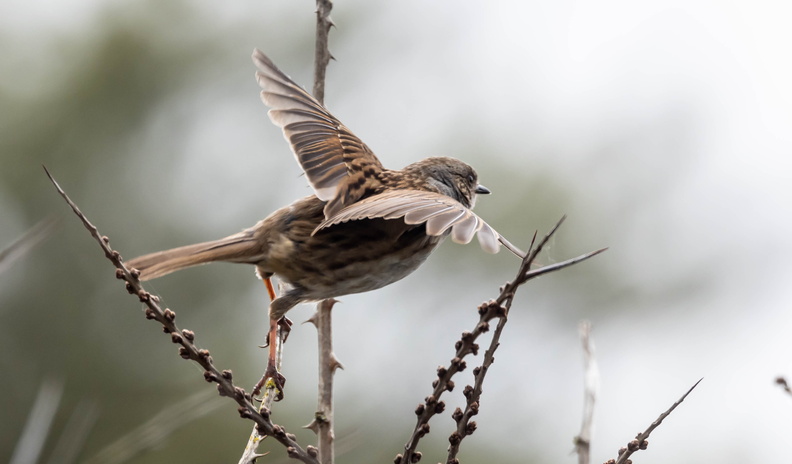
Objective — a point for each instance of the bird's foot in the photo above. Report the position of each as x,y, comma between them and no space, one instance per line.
272,379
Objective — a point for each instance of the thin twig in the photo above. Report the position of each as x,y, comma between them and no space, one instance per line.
322,424
465,426
591,386
497,308
185,338
640,442
323,56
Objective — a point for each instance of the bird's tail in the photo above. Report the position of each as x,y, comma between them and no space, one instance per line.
238,248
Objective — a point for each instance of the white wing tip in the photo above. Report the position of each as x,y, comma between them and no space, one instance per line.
488,239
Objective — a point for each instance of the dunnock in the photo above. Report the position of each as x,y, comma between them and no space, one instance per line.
365,227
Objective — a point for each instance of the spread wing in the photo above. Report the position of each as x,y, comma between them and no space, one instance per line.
439,212
333,158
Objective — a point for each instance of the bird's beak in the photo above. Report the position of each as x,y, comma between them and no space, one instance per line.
481,190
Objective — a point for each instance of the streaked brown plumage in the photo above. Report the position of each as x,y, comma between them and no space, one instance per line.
365,227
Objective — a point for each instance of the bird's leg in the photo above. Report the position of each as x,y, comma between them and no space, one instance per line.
272,364
272,340
284,322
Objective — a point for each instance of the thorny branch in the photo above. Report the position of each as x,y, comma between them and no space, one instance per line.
640,442
323,56
186,341
325,451
323,422
497,308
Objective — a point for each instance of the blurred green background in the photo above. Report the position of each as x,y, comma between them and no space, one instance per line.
660,128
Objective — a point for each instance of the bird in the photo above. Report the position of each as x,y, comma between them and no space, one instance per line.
364,226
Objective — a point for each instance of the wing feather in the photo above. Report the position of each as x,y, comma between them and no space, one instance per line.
488,238
439,223
420,214
464,230
327,151
440,213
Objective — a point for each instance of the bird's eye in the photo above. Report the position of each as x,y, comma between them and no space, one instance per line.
471,179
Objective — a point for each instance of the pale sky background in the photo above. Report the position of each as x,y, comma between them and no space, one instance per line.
661,128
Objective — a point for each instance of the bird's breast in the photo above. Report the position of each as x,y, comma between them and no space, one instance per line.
352,257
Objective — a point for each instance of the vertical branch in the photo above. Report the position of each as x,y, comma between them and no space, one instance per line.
327,366
591,386
322,423
323,56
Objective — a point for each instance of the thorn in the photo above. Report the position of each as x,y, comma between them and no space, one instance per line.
312,319
335,363
313,426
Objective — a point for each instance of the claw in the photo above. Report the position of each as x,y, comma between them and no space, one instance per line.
278,328
271,375
278,380
285,325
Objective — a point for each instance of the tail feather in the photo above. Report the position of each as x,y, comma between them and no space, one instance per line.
239,248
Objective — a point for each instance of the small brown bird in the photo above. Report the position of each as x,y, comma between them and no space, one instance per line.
364,228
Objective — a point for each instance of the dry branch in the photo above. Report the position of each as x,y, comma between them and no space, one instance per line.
325,451
186,341
322,424
497,308
323,56
640,442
